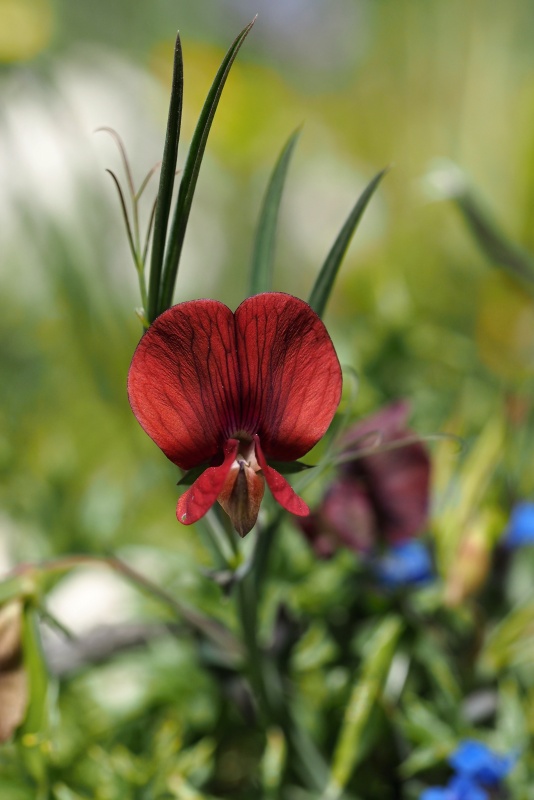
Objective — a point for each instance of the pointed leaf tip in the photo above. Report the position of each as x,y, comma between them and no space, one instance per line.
264,245
325,280
190,174
166,181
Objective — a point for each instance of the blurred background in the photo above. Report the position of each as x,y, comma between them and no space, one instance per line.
418,311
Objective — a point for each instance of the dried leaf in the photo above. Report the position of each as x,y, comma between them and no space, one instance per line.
13,683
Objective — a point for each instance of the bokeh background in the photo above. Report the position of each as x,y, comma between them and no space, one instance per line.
418,311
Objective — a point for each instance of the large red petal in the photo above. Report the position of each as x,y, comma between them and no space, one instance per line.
290,374
280,488
183,383
200,497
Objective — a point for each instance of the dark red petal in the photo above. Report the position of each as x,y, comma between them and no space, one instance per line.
384,425
290,374
280,488
397,479
401,484
183,383
347,512
200,497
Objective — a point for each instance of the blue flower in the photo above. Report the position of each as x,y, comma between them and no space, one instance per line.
436,793
464,788
520,529
476,761
476,766
458,788
404,564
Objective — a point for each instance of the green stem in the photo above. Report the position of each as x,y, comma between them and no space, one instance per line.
264,676
262,552
140,267
247,609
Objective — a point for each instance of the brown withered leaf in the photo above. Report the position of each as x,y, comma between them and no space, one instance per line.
13,683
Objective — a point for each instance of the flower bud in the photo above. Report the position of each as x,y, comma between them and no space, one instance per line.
471,565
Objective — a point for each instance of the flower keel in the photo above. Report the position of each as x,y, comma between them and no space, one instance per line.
243,490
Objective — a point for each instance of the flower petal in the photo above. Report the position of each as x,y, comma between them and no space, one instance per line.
348,513
200,497
280,488
290,374
183,383
397,479
385,425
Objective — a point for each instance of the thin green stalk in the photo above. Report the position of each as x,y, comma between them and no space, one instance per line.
133,238
261,273
24,581
264,677
247,609
262,552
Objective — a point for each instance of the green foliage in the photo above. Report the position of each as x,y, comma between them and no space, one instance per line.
166,183
191,171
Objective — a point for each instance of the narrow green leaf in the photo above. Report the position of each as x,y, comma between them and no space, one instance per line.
440,670
447,181
35,741
166,181
325,280
273,762
493,242
190,174
122,150
36,717
379,653
511,642
125,216
426,757
62,792
261,274
422,723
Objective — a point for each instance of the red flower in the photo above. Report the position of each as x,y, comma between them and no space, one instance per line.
382,492
233,390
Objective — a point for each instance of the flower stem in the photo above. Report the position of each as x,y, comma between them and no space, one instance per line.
265,679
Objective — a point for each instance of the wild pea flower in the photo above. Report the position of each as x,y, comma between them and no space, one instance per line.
520,531
381,493
225,392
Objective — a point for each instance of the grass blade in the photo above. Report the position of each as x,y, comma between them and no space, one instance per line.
447,181
264,245
380,650
35,727
325,280
166,182
190,174
493,242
